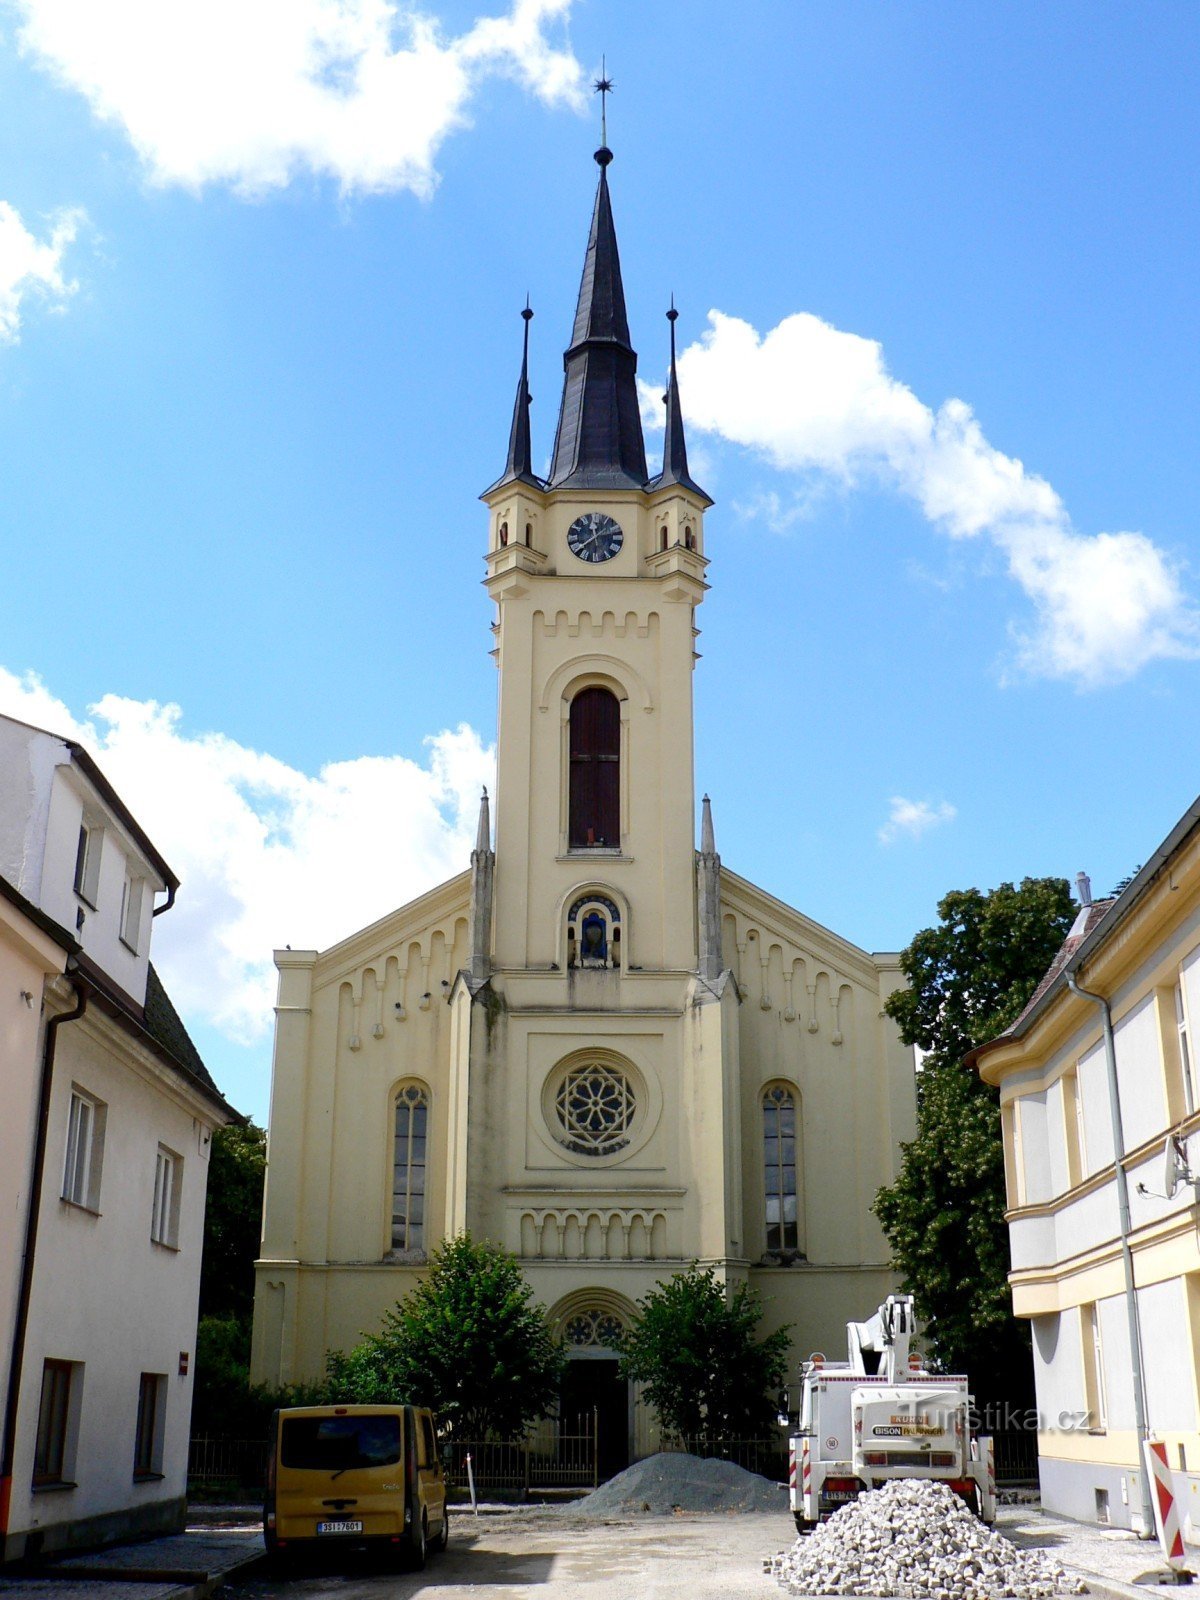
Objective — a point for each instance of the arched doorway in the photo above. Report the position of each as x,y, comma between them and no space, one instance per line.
593,1391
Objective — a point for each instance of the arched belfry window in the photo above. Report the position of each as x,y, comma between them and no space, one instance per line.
595,775
780,1136
594,932
410,1129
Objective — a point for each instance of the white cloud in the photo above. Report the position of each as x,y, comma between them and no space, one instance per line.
912,818
267,855
821,403
254,92
32,267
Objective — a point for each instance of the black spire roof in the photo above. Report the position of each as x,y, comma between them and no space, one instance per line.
519,466
599,440
675,466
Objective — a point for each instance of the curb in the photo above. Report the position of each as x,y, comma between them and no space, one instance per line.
1114,1589
201,1588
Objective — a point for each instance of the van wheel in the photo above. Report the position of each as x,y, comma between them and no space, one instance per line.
418,1547
443,1538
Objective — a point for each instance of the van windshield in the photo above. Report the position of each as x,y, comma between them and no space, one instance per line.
339,1444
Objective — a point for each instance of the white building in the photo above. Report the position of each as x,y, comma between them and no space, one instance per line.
107,1116
1115,1310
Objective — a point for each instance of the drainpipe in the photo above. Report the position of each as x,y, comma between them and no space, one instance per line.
1131,1305
167,903
24,1293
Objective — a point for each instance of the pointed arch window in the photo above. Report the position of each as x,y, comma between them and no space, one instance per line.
410,1130
595,770
779,1171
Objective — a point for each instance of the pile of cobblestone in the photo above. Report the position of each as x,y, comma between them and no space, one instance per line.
672,1482
917,1540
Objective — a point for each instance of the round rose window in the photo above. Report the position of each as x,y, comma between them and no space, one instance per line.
594,1107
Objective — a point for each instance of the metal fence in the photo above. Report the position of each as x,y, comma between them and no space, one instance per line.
560,1461
768,1457
1016,1457
217,1465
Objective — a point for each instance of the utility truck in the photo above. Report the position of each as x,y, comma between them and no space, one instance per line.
881,1415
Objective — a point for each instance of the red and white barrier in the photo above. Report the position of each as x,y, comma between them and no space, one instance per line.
1166,1507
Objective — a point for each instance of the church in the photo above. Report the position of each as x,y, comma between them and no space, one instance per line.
596,1046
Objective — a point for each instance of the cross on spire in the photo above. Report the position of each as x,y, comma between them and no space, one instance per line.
603,87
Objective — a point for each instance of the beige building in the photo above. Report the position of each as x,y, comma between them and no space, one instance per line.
104,1137
1100,1102
598,1046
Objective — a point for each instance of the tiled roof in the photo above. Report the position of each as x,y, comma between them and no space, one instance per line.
1086,922
164,1025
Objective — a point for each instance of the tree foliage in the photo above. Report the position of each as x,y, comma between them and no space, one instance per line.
706,1374
970,977
237,1166
468,1341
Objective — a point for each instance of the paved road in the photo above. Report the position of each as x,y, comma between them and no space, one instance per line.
549,1554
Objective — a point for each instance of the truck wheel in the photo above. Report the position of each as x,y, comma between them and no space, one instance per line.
803,1525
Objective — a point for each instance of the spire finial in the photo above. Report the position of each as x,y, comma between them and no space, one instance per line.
483,833
603,87
708,842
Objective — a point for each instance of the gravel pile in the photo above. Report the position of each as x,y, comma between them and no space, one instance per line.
916,1539
669,1482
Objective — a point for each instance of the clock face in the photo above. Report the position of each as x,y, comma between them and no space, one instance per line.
595,537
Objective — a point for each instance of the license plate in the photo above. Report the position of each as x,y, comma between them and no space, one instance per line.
839,1494
339,1527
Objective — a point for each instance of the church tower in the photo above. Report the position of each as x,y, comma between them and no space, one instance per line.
596,574
598,1046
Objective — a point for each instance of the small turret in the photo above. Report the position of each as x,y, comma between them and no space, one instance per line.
708,898
675,463
483,863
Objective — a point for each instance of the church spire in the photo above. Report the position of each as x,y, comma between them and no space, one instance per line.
708,898
519,466
599,440
675,465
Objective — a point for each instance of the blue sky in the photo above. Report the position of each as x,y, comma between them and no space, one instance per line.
260,337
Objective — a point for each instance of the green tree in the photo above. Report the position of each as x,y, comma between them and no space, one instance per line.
237,1166
468,1341
970,977
706,1374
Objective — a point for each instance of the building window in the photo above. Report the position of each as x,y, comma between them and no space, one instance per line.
85,1150
779,1170
51,1462
148,1435
594,1107
164,1218
87,863
1185,1050
1095,1395
1073,1128
594,932
409,1167
595,770
131,910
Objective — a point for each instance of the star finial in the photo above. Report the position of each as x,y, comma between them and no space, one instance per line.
603,86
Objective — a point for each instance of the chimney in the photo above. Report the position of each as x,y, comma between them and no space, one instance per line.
1083,889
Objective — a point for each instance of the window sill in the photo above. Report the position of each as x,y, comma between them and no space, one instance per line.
589,852
77,1205
53,1486
84,901
149,1477
165,1244
132,948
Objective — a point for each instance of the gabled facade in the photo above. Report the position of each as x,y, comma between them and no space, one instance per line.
1099,1085
108,1115
598,1047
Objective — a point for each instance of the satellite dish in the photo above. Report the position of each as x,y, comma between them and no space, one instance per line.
1175,1166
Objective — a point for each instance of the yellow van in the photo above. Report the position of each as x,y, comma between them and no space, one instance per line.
355,1475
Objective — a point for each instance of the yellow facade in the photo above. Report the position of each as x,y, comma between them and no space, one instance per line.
709,992
1140,953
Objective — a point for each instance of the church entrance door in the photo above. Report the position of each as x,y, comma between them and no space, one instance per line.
592,1386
